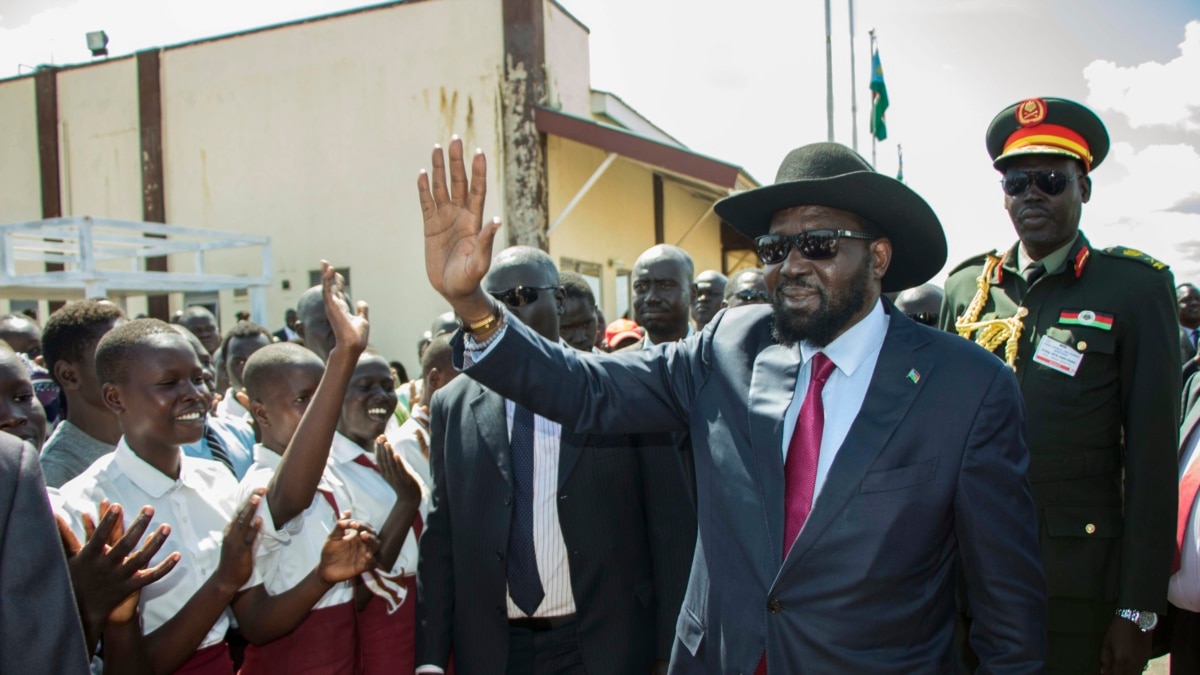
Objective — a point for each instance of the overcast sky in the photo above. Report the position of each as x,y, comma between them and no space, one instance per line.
745,82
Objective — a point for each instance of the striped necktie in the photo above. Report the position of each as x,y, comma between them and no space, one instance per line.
524,583
217,448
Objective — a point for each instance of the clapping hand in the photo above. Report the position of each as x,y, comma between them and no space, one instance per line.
349,329
349,551
106,572
237,549
458,246
397,473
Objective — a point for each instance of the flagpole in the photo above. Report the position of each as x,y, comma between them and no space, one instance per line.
853,86
829,70
872,109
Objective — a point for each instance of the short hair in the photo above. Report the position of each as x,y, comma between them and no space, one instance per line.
401,371
735,280
523,256
309,298
667,252
263,367
439,354
196,311
75,327
17,318
244,329
120,348
576,287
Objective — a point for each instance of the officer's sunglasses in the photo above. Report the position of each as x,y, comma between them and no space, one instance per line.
773,249
752,295
1050,182
520,296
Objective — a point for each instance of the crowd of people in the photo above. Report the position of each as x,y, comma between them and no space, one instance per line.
802,467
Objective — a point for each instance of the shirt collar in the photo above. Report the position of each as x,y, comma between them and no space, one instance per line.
344,450
854,346
1051,262
266,457
647,343
142,474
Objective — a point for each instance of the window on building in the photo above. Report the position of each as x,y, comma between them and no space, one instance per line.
588,270
314,278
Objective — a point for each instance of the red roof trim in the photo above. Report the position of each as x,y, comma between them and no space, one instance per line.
636,147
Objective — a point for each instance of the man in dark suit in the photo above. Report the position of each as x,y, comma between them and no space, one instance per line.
1182,630
545,550
288,332
833,548
1188,298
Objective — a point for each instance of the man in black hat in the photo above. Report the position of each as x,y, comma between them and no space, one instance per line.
1091,334
846,456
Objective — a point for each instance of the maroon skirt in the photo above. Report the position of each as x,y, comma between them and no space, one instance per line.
214,660
387,642
323,644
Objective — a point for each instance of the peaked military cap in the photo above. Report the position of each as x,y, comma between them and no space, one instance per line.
1047,126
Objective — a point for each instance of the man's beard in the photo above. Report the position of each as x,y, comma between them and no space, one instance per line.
821,326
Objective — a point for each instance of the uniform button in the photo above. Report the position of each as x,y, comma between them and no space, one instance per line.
1081,346
774,607
499,556
507,500
1090,528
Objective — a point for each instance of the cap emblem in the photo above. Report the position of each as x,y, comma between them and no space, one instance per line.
1031,112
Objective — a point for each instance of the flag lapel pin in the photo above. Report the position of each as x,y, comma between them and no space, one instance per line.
914,376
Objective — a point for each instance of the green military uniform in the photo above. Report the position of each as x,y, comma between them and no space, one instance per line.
1102,441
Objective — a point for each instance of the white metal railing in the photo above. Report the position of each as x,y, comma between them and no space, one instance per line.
79,243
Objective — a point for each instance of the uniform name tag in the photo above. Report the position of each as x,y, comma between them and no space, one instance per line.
1054,354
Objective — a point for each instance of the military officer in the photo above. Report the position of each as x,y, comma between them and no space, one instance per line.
1093,338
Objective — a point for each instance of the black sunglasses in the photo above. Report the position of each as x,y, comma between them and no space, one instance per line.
1050,182
752,295
814,244
926,318
520,296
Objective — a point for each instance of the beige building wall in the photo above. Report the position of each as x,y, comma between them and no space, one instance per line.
314,134
20,184
568,69
689,224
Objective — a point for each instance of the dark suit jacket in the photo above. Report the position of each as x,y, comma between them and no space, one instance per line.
1186,350
625,517
39,623
281,335
933,468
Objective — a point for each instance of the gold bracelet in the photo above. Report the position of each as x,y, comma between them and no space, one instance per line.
483,325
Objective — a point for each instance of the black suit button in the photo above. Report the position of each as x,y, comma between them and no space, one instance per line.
507,500
562,496
500,556
774,607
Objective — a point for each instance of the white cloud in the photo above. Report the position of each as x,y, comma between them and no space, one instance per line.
1151,93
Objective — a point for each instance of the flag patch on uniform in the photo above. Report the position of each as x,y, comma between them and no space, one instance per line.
1086,317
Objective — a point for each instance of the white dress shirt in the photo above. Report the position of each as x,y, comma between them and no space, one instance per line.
406,440
548,545
854,352
229,407
1184,589
198,506
369,497
284,557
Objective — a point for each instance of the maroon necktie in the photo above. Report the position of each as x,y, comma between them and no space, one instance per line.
418,524
1187,499
800,469
804,451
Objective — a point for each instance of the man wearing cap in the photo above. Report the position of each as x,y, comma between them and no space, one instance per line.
1091,336
831,512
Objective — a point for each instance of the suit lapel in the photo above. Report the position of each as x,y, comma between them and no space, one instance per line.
889,397
569,448
1190,420
772,385
492,420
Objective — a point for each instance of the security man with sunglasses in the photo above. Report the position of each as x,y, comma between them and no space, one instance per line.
1092,336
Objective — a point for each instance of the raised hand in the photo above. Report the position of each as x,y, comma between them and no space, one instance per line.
237,549
458,245
349,551
106,572
350,330
397,473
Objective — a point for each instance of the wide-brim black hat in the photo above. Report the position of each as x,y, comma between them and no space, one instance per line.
832,175
1047,126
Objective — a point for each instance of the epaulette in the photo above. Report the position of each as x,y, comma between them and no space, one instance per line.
973,261
1134,254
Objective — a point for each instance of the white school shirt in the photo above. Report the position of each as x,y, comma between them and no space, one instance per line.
404,440
368,497
548,545
231,408
854,353
198,507
284,557
1184,589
